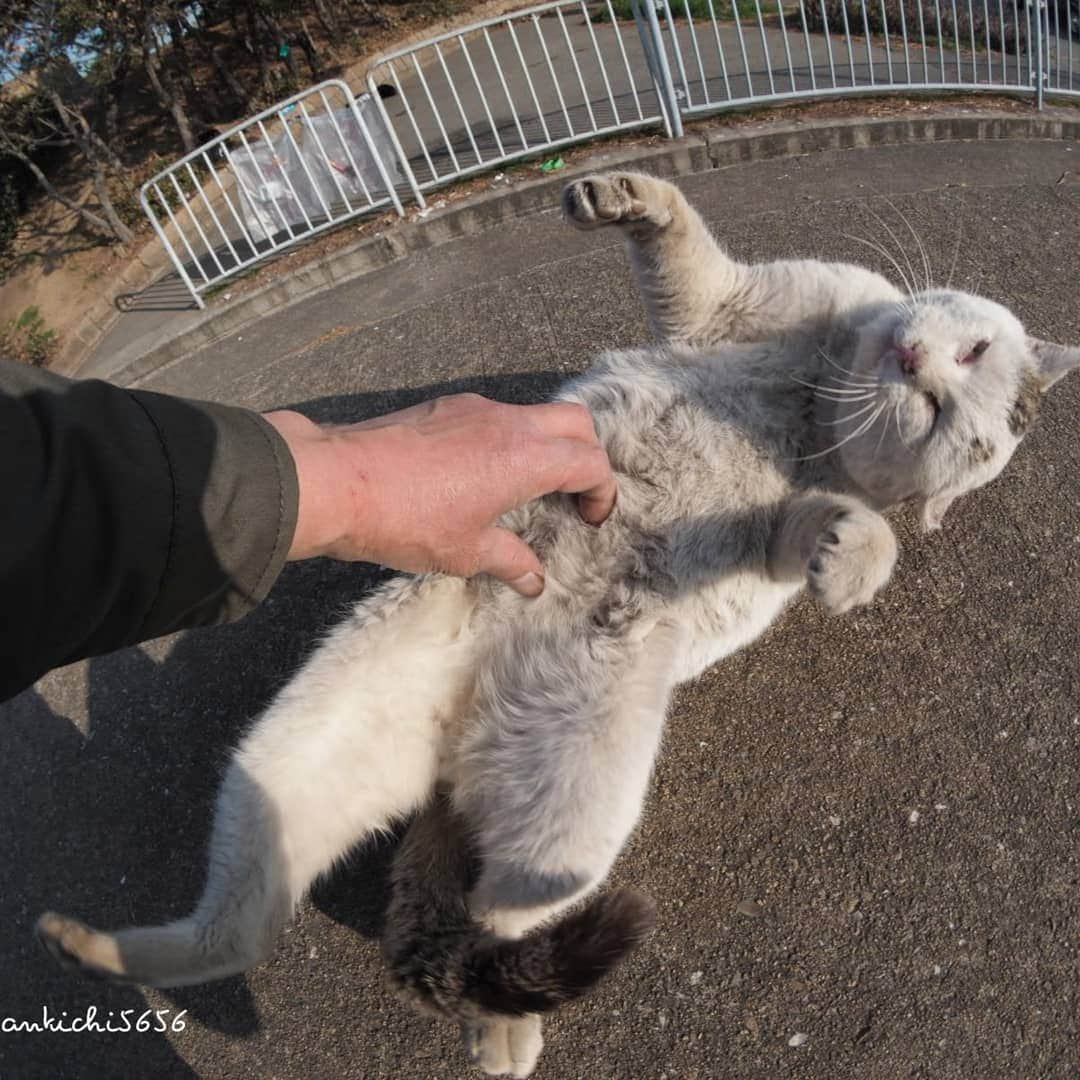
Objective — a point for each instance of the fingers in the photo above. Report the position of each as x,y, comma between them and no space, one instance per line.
583,470
508,558
586,471
563,420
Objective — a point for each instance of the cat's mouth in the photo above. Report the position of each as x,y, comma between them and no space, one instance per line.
935,405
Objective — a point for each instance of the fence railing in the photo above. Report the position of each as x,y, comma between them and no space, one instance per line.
505,88
569,71
295,170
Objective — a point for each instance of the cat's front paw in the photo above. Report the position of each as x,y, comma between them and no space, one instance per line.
616,198
853,558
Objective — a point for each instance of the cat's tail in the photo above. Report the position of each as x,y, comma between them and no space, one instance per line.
446,962
169,955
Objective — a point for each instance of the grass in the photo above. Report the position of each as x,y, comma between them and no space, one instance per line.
28,338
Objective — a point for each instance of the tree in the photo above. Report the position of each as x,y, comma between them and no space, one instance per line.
45,103
30,127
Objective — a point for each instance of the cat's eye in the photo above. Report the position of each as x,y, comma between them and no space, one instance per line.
976,351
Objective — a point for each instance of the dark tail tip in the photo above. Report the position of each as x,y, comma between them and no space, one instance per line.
561,963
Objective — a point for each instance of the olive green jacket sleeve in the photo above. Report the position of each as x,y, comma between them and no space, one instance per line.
125,515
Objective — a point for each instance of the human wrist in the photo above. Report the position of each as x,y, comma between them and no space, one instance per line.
322,520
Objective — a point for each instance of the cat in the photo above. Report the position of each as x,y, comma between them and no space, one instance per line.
783,408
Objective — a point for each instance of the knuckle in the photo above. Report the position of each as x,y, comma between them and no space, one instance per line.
472,399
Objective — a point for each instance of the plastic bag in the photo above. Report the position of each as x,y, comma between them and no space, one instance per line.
293,184
276,192
340,158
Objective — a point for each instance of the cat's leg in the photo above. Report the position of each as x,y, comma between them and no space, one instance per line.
570,721
842,549
696,294
350,745
690,287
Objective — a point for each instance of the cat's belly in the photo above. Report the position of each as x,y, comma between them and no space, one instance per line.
724,617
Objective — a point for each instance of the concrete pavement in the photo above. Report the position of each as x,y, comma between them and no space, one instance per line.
895,791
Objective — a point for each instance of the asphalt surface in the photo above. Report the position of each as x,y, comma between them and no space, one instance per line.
896,792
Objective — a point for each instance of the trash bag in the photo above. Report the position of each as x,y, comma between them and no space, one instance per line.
276,193
340,158
291,185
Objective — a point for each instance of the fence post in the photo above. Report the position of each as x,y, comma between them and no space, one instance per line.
403,160
652,41
144,202
1040,6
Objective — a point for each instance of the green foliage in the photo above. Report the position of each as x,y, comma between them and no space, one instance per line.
28,338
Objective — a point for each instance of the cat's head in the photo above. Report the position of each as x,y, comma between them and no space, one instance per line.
952,382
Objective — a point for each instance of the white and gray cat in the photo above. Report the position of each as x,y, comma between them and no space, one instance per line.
785,407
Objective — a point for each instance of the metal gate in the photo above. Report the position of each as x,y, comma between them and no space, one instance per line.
751,51
747,51
511,87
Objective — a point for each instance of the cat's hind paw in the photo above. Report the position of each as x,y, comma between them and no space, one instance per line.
616,198
505,1046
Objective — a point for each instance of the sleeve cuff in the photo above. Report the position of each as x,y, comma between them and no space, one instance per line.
235,500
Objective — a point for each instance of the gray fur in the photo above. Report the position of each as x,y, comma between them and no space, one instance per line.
785,407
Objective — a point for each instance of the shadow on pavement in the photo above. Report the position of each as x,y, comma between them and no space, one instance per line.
166,294
111,825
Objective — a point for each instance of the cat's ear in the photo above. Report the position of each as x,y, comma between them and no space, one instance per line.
1052,361
933,509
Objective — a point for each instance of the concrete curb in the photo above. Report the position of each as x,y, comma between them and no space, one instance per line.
711,146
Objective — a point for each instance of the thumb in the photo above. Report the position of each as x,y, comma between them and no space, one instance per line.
508,558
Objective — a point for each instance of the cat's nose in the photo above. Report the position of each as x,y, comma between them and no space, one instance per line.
909,357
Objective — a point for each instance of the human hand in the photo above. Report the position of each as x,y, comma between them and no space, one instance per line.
421,489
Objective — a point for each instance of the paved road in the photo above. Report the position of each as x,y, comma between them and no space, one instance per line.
899,789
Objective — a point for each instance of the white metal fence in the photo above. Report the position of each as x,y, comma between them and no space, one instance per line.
569,71
309,163
525,83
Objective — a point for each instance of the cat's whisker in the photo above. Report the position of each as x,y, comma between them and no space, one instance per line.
845,400
846,386
864,387
847,418
978,281
875,246
835,392
918,240
832,362
884,431
899,247
899,429
860,430
956,252
853,377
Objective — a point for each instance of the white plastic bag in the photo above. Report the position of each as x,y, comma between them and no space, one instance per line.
277,194
340,157
292,184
